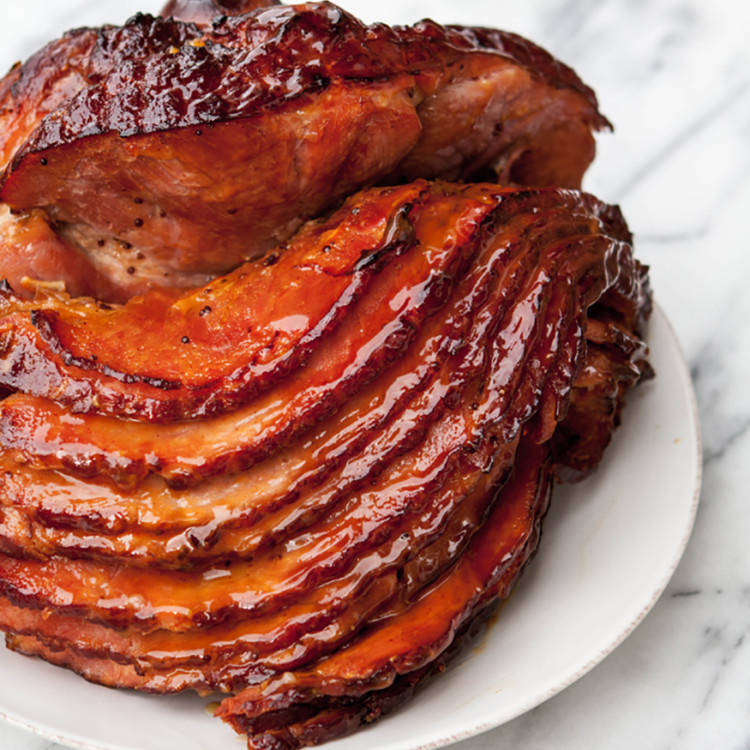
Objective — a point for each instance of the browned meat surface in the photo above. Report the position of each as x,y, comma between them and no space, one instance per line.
292,708
184,454
168,152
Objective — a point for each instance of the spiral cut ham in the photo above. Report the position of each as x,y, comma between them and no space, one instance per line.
316,547
119,137
301,321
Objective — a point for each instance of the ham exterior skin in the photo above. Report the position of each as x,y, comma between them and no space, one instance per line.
318,563
287,108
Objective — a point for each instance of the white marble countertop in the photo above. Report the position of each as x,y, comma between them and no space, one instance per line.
674,78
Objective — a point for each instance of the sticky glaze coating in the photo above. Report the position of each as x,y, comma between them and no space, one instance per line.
122,134
171,356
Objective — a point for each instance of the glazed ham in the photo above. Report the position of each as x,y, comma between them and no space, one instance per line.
168,152
285,385
286,558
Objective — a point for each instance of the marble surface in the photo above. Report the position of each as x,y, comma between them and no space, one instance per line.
674,78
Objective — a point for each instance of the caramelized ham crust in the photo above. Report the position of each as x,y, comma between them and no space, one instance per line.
288,710
164,357
122,135
169,356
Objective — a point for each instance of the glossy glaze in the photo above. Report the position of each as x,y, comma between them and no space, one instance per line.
168,356
333,696
184,454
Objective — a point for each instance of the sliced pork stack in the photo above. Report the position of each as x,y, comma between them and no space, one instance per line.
317,515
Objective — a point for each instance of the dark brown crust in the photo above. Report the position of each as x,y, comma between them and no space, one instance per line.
533,57
32,90
364,53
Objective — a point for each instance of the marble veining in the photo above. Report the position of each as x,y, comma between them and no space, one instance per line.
674,78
